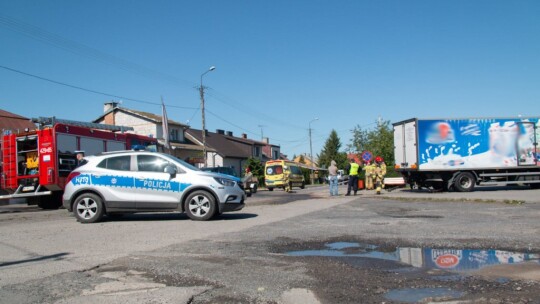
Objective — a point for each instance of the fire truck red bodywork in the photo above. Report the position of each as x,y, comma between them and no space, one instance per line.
37,163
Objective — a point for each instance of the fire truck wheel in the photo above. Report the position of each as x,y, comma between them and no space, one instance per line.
54,201
88,208
200,206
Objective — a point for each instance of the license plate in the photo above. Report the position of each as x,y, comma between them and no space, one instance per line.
28,188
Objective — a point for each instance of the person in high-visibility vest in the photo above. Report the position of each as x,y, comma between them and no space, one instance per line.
352,169
379,172
369,168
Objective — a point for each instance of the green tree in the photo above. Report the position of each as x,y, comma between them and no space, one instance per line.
256,168
379,141
330,152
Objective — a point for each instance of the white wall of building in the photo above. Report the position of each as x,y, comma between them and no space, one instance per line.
214,160
140,126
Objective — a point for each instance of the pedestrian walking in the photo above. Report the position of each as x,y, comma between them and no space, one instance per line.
352,169
333,178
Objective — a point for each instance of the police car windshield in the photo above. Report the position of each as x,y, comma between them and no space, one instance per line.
183,163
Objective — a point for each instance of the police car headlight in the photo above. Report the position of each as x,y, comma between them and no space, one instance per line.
225,181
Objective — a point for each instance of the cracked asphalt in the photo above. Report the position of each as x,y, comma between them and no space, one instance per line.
246,257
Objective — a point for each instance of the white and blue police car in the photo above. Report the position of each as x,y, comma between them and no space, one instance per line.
120,182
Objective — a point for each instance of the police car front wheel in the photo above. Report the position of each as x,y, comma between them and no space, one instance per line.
88,208
200,206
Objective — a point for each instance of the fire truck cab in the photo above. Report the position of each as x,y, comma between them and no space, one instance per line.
36,163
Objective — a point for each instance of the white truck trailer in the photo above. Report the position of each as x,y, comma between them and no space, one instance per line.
457,154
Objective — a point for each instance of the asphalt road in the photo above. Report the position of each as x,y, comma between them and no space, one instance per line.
245,257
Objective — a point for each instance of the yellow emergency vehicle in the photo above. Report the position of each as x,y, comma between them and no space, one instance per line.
277,173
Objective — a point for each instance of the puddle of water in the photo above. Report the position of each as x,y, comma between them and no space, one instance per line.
448,278
414,295
456,260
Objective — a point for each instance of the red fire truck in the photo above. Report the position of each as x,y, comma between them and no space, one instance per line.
35,163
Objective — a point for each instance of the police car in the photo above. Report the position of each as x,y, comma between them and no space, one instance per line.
137,181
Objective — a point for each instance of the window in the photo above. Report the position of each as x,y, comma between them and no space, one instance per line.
257,151
274,170
151,163
295,170
120,163
174,135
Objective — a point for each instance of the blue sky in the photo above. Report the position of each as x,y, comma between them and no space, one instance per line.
279,64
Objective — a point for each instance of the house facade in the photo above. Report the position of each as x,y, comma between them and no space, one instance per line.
151,125
231,151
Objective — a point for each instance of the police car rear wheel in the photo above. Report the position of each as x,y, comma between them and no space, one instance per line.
88,208
200,206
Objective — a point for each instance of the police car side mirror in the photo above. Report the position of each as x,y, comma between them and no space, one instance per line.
171,170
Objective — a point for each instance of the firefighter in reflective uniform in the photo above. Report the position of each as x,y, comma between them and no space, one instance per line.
369,168
286,180
379,173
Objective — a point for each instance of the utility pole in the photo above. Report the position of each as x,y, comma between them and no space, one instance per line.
261,126
311,149
201,91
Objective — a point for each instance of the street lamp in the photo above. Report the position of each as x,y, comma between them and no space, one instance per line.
311,149
201,91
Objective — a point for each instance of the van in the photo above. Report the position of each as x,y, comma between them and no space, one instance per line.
274,174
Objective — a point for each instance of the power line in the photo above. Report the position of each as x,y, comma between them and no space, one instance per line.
88,90
80,49
246,109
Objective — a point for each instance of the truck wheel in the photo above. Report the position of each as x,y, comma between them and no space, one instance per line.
88,208
270,189
53,201
200,206
303,185
464,182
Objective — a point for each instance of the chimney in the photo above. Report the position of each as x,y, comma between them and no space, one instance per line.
244,135
266,140
219,131
229,133
108,106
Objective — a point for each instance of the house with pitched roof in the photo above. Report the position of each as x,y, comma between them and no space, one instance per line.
231,151
10,122
151,125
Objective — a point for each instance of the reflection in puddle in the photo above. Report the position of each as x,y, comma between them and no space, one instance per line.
414,295
460,260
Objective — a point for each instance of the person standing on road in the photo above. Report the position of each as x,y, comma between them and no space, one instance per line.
286,180
369,168
333,178
352,168
379,173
